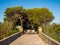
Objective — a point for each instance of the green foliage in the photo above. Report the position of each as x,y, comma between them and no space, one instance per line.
5,28
53,31
39,15
12,14
35,15
47,15
6,19
11,32
13,10
57,30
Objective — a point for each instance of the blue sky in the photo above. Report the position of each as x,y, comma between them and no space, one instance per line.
52,5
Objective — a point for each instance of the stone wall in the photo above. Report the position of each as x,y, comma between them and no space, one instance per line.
8,40
48,39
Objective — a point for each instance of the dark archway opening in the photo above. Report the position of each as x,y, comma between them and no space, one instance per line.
18,22
26,24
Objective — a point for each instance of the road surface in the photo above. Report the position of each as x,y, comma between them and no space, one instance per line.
29,39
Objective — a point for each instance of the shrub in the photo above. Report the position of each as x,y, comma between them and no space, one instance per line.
57,30
11,32
5,28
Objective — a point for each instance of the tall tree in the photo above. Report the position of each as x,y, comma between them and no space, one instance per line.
14,13
40,15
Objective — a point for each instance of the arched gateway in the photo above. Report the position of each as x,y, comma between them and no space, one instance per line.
24,23
21,20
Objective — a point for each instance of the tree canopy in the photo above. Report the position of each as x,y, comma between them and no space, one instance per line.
35,15
39,15
14,13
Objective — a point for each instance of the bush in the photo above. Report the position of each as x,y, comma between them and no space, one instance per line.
53,31
11,32
6,29
57,30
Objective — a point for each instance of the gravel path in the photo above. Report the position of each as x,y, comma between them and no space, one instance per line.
29,39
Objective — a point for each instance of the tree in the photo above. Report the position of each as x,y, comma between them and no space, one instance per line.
14,13
47,15
36,16
33,15
39,15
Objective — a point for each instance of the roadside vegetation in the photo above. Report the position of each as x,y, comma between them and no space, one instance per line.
6,29
53,30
